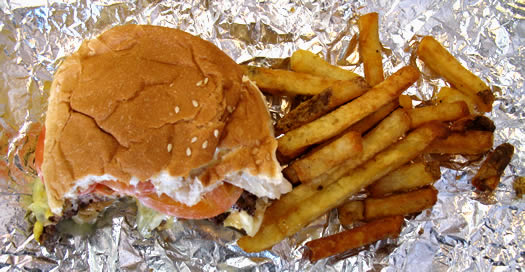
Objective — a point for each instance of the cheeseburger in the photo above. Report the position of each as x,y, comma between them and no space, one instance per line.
159,115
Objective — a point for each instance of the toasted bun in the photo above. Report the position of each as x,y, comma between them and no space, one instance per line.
151,103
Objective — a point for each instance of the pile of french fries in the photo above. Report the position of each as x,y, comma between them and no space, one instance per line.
362,135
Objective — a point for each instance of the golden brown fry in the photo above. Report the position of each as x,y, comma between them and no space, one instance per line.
383,163
400,204
488,176
442,62
405,101
440,112
376,230
348,146
351,212
451,95
406,178
382,136
343,117
284,82
320,104
274,230
473,122
471,142
370,48
307,62
371,120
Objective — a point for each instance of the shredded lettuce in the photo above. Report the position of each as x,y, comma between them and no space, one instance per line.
148,219
69,226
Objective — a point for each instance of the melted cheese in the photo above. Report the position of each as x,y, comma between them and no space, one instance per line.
242,220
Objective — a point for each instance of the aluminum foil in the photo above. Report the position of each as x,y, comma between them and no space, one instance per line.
464,231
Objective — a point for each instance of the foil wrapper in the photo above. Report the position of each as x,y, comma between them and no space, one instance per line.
464,231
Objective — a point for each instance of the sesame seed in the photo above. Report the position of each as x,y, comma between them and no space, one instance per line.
205,144
199,83
258,162
171,84
177,109
170,147
257,142
195,103
205,80
216,133
194,139
229,108
188,151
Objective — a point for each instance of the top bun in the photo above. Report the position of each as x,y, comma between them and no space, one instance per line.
143,103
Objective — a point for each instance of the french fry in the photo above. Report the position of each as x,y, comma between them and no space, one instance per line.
471,142
488,176
477,122
284,82
443,63
519,186
451,95
343,117
371,120
384,135
400,204
351,212
347,146
405,101
333,195
383,163
320,104
406,178
307,62
290,174
376,230
440,112
370,48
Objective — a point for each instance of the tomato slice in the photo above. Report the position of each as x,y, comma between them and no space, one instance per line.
100,189
212,204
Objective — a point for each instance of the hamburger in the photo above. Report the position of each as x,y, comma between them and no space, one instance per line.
159,115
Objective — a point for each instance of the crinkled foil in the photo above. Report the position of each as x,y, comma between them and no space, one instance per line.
463,231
